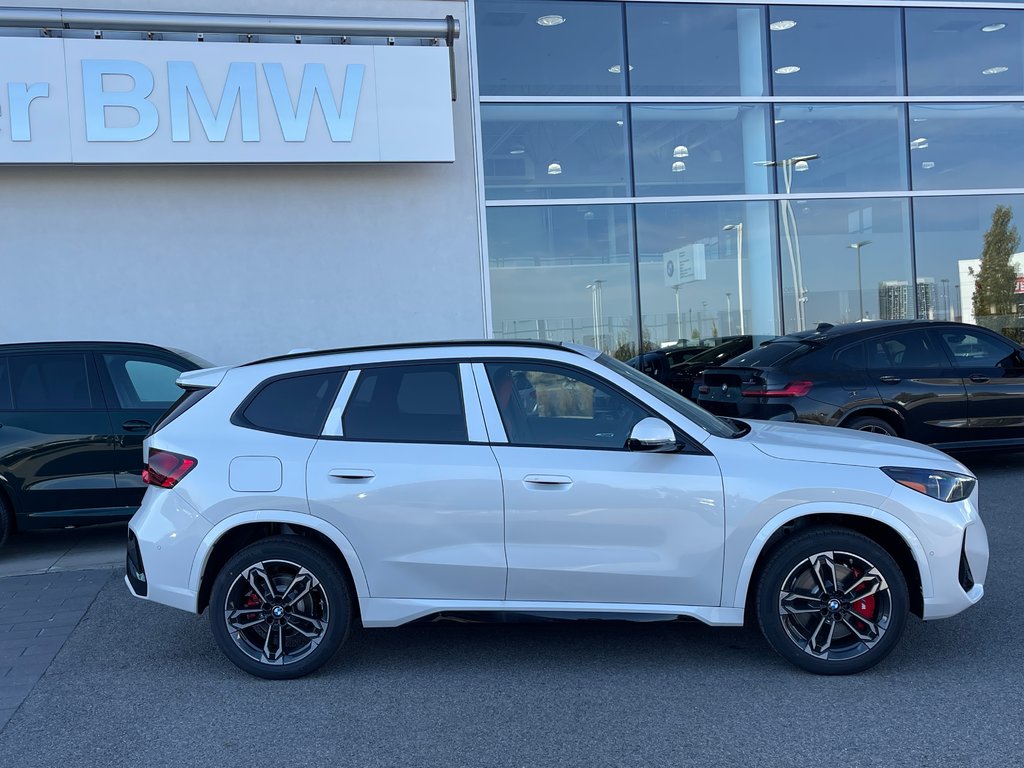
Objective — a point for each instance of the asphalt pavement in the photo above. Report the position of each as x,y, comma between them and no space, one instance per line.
141,684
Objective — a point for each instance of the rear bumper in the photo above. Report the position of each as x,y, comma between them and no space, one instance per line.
166,533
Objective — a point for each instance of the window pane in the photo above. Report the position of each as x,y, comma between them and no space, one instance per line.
710,149
968,52
564,273
528,48
414,403
846,260
50,382
964,241
296,405
973,350
904,351
553,406
860,148
692,285
696,50
541,151
967,146
836,51
6,401
142,383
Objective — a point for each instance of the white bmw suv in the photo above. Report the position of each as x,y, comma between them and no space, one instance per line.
298,496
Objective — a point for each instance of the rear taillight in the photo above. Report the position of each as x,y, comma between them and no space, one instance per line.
166,469
793,389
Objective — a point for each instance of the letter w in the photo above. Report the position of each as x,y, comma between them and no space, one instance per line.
240,88
295,121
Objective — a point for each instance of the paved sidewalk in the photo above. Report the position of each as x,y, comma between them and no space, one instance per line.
37,614
95,546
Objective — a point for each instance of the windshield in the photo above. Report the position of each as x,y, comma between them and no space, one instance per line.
694,413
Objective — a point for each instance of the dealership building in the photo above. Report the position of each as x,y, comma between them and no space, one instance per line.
242,178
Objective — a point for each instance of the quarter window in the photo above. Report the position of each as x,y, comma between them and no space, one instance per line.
50,382
552,406
296,405
409,403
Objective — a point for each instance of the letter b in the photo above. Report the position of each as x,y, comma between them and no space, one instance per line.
97,100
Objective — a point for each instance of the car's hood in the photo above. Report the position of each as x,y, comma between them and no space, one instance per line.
833,445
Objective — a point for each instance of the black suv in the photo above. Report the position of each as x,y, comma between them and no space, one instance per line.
72,419
948,384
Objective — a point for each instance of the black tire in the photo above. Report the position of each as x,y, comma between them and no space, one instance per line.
827,632
872,424
280,636
6,522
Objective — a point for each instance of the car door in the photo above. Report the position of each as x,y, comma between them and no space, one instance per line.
404,471
587,520
993,373
56,447
138,388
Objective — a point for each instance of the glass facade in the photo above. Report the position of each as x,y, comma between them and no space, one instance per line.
664,172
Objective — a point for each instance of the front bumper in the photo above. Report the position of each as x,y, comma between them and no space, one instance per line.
956,588
164,536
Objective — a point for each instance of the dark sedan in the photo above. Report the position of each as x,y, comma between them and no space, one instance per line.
948,384
660,364
685,376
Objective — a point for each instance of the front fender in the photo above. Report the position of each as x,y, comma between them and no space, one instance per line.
815,508
339,539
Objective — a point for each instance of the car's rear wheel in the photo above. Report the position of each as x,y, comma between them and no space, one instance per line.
280,608
872,424
6,522
832,601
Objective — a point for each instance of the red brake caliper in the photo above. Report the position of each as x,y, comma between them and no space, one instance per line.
252,600
864,606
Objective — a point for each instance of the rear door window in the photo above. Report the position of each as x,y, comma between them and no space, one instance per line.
143,382
51,382
978,350
292,405
407,403
904,351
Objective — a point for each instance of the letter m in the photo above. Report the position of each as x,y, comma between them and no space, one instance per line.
294,121
183,84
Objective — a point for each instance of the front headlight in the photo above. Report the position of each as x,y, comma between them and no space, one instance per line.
937,483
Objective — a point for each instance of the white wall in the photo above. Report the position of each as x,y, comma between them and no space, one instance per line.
236,262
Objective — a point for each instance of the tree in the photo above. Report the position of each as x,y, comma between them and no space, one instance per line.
996,278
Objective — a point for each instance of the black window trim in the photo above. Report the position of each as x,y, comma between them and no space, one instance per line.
405,364
687,445
238,419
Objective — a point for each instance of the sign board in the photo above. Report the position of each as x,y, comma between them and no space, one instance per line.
134,101
1020,284
684,265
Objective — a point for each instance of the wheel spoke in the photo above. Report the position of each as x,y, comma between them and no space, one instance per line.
233,617
823,648
871,637
274,656
317,624
819,576
254,576
786,600
872,577
310,583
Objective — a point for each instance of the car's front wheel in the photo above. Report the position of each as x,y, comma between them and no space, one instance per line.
280,608
832,601
873,425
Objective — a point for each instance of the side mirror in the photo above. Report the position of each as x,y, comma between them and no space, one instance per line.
652,435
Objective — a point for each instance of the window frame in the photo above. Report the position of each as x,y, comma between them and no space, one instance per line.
238,415
333,428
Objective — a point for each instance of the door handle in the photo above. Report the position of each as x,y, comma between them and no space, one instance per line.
135,425
979,378
548,481
353,474
890,379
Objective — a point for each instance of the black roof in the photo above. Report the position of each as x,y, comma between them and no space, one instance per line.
420,345
39,346
826,333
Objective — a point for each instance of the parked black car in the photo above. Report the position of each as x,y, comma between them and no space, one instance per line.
659,364
948,384
684,377
72,419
